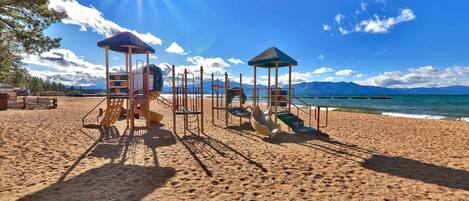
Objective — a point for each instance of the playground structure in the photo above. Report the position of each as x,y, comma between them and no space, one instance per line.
188,100
280,101
222,100
137,88
132,87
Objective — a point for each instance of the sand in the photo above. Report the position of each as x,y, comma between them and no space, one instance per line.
47,155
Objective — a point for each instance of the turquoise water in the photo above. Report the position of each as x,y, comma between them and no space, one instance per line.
449,106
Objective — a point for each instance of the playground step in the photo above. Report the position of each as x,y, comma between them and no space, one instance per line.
294,122
118,87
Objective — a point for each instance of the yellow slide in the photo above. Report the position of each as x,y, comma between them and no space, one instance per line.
263,124
155,117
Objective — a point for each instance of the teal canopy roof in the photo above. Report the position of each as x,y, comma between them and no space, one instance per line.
121,41
270,56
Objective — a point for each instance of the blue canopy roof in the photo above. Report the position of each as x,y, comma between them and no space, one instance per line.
270,56
121,41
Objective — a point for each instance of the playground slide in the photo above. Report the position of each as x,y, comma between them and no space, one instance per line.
263,124
155,117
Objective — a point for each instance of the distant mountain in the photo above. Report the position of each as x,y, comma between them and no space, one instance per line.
350,88
339,88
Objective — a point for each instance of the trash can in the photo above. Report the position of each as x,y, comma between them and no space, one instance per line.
3,102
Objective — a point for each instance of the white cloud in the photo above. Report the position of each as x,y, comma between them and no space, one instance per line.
321,57
326,27
427,76
153,56
363,7
297,77
343,31
235,61
338,18
91,18
174,48
322,70
329,79
345,72
360,75
217,66
382,25
64,66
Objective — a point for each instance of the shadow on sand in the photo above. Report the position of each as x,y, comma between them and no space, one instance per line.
379,162
113,181
108,182
416,170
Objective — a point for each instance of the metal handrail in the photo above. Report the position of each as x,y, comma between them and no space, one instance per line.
83,118
298,113
317,116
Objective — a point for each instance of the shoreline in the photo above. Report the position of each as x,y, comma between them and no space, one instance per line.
364,110
374,111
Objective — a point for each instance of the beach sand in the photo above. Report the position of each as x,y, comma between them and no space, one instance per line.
47,155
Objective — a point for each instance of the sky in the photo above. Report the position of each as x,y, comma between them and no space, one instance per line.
399,44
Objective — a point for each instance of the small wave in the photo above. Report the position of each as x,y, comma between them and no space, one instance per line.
414,116
465,119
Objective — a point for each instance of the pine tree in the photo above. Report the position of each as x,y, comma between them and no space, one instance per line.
22,23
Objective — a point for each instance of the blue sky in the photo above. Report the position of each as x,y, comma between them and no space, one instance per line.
371,42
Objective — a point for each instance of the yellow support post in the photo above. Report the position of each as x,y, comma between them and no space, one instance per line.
174,99
289,90
202,97
276,91
131,91
147,90
255,88
127,101
108,101
213,114
226,98
241,96
268,88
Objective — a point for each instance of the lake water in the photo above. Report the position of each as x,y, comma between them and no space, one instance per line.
416,106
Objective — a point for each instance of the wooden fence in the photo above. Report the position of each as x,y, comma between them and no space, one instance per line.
32,103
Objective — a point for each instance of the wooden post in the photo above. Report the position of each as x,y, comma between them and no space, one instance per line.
213,117
268,88
184,85
185,102
128,82
108,101
276,91
131,91
241,96
289,91
202,98
254,89
218,101
147,90
226,98
174,98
